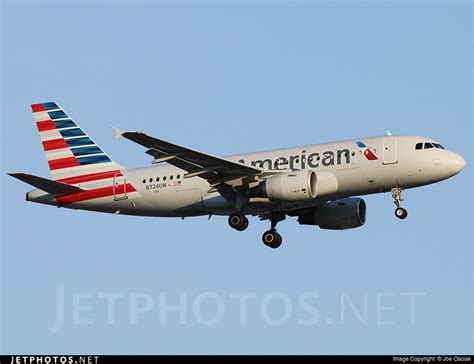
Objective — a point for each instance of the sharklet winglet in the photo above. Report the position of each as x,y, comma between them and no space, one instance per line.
117,132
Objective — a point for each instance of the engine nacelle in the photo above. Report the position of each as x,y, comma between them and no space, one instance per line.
297,186
347,213
293,186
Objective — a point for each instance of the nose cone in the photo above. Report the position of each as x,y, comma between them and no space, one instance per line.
456,164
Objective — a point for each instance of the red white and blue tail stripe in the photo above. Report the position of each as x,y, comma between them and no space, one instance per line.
70,152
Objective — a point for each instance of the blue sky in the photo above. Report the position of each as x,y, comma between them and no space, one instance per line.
230,77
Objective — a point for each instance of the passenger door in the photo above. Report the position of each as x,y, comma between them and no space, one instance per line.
390,150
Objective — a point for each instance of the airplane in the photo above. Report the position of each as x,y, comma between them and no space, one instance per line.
318,184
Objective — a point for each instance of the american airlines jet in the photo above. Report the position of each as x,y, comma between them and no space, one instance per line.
314,183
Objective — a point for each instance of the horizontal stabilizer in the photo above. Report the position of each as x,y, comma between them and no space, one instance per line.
57,188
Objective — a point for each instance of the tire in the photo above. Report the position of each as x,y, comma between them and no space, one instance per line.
272,239
401,213
238,221
246,224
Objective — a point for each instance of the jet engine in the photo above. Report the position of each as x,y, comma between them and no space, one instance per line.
347,213
297,186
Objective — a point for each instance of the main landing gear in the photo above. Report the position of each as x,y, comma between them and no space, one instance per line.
272,238
400,212
238,221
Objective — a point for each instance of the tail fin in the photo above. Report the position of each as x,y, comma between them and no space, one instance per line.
69,150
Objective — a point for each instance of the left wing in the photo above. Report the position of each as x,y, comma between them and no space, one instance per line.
217,171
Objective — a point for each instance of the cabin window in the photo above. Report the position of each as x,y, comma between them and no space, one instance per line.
151,180
178,176
419,146
157,179
164,178
429,146
144,181
171,177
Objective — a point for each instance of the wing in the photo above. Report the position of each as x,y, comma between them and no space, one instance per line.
219,172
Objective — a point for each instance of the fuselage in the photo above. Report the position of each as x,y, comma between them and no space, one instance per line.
362,166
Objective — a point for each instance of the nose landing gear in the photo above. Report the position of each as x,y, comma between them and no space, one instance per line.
400,212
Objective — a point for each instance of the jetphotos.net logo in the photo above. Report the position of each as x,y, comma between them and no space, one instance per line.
274,308
368,151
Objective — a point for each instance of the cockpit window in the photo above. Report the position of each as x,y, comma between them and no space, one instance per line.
419,146
429,146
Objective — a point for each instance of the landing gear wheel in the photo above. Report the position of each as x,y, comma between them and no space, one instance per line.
401,213
272,239
238,221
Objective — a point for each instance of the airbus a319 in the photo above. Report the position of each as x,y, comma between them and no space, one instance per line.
317,184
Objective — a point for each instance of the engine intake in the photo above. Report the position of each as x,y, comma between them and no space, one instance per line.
347,213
